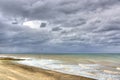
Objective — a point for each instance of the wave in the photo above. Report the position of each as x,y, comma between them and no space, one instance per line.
95,71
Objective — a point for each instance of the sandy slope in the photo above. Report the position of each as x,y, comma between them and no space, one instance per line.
12,71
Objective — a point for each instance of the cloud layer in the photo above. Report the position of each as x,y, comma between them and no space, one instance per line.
74,26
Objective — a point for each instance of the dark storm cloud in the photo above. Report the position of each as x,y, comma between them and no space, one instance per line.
56,29
74,23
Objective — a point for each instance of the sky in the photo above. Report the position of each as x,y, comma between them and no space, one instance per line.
69,26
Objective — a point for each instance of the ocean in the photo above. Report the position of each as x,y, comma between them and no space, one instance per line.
97,66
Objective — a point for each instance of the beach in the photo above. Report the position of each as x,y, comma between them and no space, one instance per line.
14,71
59,67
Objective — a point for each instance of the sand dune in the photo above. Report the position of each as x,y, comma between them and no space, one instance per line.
13,71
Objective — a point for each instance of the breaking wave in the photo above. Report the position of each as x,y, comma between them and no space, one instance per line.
95,71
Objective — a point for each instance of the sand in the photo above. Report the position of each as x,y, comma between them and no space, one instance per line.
14,71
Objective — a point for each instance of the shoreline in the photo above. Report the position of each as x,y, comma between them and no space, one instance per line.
15,71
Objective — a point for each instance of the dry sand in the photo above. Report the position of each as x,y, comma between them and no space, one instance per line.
13,71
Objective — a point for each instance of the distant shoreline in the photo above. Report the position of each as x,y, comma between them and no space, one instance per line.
59,53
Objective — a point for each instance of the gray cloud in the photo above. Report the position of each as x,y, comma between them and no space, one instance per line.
74,23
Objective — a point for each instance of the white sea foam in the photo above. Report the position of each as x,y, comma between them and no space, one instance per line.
88,70
118,68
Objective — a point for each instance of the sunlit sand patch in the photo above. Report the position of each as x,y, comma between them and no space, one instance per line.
11,78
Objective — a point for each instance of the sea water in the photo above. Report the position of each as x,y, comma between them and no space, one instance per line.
97,66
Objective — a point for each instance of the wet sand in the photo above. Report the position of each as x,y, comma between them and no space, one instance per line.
14,71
